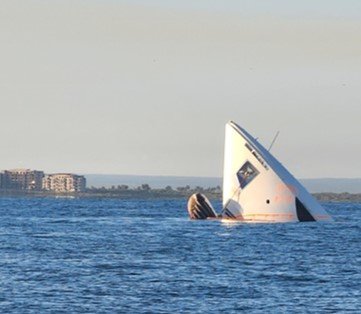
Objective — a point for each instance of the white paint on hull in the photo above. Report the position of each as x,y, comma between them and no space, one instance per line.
257,188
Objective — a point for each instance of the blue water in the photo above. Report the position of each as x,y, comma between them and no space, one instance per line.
106,256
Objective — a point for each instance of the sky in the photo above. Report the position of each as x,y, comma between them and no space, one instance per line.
146,87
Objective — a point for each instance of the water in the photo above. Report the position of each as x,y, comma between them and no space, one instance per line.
106,256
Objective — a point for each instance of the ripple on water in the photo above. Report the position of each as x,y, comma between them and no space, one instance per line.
77,255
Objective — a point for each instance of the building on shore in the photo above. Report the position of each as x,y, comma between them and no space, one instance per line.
1,180
64,183
22,179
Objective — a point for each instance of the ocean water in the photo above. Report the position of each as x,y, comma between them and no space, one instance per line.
145,256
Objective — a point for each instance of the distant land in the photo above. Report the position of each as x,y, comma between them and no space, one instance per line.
322,185
155,182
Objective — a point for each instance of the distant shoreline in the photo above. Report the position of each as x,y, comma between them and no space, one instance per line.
315,185
159,194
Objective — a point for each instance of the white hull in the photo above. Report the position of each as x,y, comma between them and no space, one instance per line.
257,188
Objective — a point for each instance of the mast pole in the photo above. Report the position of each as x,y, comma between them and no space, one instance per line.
274,140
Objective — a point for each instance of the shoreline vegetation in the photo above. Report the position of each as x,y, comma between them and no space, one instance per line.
144,191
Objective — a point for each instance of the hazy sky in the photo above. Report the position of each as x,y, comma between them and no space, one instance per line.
145,87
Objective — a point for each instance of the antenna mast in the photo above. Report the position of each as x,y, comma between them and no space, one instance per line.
274,140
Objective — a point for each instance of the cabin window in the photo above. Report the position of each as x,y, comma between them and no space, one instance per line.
246,174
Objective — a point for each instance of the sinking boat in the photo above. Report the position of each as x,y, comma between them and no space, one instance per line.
257,187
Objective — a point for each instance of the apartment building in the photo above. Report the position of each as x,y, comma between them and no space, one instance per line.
64,182
1,180
22,179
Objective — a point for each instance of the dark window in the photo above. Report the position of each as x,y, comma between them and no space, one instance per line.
246,174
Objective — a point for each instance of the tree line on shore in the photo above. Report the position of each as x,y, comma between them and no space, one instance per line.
146,187
146,191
